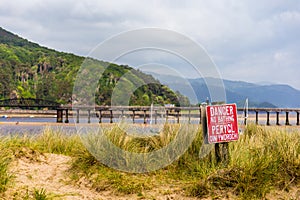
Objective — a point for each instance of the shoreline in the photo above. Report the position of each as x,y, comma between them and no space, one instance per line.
20,123
19,113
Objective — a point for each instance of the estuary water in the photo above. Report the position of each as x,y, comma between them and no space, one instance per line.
35,125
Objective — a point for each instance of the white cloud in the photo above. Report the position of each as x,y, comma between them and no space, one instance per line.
251,38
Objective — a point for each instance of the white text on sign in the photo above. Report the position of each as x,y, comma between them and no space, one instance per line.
222,123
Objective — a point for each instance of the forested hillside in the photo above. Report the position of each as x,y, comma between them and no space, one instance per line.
31,71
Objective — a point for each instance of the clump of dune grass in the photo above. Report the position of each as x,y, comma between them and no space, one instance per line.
5,177
49,141
137,153
264,158
56,141
102,176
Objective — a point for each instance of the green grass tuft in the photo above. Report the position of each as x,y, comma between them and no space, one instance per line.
5,177
40,194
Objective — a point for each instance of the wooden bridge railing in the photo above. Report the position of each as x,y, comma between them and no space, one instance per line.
140,111
143,112
273,110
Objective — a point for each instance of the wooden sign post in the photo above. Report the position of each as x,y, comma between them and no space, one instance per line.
220,127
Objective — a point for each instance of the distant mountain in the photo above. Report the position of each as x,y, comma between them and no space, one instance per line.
273,95
28,70
277,94
265,83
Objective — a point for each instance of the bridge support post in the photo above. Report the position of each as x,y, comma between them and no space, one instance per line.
67,116
111,116
89,116
155,117
277,118
145,116
245,117
167,115
77,115
268,118
100,116
59,115
287,118
298,123
178,116
133,116
256,117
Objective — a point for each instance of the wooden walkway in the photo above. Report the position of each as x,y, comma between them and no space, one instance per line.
144,112
176,113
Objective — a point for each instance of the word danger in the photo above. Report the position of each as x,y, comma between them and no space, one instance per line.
222,123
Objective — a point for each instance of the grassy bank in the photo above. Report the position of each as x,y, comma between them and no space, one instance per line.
263,160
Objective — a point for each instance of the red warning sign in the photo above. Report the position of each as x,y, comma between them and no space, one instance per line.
222,123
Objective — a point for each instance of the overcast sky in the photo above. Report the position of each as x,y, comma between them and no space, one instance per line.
249,40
